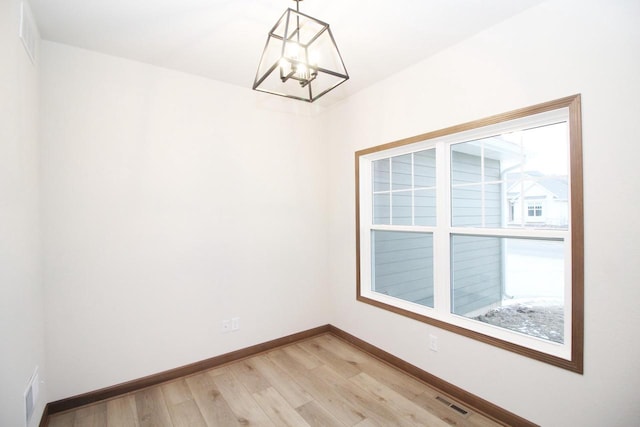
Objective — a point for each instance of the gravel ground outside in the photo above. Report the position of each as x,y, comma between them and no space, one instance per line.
541,319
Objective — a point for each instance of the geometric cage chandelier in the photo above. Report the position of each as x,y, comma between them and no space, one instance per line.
300,59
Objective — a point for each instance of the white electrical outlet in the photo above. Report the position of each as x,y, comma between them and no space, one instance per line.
226,326
235,323
433,343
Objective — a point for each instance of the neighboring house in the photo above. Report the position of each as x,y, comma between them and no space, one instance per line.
538,202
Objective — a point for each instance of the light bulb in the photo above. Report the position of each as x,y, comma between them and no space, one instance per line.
293,50
284,63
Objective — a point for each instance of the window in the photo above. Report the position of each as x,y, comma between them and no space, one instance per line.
534,209
477,229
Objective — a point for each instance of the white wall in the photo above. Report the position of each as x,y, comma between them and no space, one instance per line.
21,293
559,48
171,202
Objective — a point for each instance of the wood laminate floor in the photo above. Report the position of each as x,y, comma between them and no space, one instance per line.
322,381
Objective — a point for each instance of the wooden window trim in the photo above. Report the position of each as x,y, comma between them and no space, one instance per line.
573,103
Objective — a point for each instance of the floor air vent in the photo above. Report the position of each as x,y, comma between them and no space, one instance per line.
459,409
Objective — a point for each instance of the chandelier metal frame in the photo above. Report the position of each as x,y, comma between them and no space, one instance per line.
286,66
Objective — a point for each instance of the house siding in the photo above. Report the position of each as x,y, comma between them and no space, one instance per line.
477,262
403,265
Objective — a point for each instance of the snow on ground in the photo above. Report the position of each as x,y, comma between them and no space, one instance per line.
534,288
541,318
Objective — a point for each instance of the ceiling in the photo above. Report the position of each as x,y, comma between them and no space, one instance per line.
223,39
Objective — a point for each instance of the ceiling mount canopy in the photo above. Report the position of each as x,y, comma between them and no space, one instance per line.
300,59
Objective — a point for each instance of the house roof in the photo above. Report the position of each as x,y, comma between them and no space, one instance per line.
558,186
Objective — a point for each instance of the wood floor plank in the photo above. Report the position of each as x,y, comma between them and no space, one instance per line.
122,412
280,379
399,381
346,368
214,408
218,371
182,407
398,403
343,349
277,409
368,423
322,392
241,402
176,392
65,419
365,402
91,416
152,410
186,414
246,372
316,416
477,420
304,357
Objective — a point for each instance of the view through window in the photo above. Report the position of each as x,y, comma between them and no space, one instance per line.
477,229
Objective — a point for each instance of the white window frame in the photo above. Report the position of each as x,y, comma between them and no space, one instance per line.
567,355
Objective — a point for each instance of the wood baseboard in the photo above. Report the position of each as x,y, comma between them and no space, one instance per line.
472,401
172,374
44,420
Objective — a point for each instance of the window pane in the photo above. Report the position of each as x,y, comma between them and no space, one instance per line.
546,149
539,203
465,164
495,180
381,176
548,198
466,206
424,168
492,205
517,284
401,208
403,265
401,172
404,189
382,208
477,206
425,207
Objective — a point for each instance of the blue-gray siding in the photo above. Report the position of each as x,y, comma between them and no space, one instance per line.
476,272
476,268
400,198
403,261
403,265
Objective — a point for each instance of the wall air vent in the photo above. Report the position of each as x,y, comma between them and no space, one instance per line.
28,31
31,396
